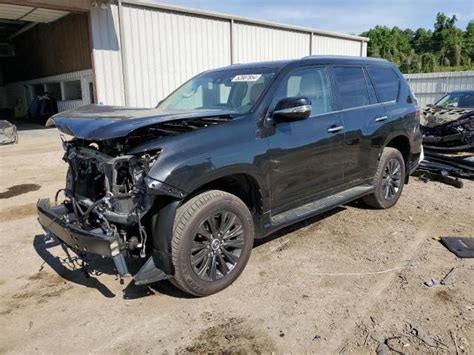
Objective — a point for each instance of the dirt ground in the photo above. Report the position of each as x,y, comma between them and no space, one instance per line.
344,282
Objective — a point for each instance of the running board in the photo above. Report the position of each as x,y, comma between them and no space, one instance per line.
322,205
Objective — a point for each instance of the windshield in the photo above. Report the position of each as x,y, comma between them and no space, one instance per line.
457,99
235,90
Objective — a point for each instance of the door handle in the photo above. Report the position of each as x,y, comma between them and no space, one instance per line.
335,129
381,119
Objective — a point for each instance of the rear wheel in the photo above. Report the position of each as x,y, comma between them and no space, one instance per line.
389,180
212,241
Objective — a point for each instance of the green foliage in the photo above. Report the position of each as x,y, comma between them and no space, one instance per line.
468,43
428,62
446,47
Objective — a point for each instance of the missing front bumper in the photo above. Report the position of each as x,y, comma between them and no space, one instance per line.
55,220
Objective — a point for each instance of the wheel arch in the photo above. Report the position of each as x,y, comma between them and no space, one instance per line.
243,185
402,144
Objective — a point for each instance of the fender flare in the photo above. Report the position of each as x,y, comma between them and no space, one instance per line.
162,222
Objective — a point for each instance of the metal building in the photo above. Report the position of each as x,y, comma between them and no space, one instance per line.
135,53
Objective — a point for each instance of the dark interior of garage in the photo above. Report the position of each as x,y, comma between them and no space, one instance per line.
45,63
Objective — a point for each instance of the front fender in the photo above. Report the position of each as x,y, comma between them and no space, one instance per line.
189,161
189,176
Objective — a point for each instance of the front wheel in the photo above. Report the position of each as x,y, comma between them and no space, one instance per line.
212,241
389,180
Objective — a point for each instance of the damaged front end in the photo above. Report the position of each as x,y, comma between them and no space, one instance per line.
448,142
112,207
106,198
448,130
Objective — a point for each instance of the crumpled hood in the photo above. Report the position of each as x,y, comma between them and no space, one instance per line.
432,116
95,122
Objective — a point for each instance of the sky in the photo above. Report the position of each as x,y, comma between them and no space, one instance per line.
352,17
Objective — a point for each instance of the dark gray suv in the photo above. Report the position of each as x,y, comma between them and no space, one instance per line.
234,154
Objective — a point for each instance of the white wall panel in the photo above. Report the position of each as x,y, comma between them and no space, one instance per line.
69,105
44,15
164,49
364,49
106,55
429,87
254,43
13,12
325,45
21,91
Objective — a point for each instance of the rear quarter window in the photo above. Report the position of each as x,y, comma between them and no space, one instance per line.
386,83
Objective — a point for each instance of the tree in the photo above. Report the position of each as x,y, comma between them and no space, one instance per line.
446,39
392,44
422,40
381,43
428,62
402,41
424,49
468,44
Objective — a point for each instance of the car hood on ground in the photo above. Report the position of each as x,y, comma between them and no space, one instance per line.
433,116
96,122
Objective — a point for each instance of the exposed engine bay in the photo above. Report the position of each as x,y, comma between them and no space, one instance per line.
109,192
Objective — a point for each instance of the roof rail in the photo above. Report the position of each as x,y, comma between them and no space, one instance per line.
322,56
331,55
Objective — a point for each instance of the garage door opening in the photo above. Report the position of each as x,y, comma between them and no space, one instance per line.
45,63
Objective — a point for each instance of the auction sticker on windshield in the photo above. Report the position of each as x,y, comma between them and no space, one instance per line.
247,77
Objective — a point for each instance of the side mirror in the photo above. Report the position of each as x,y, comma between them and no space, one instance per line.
292,109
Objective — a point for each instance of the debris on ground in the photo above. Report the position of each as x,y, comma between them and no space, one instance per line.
453,336
414,336
383,349
447,277
430,283
8,133
461,247
421,335
448,142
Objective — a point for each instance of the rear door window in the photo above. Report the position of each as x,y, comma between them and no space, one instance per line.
386,83
311,83
351,87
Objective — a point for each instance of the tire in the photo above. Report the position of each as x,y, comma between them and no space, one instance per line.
385,178
209,213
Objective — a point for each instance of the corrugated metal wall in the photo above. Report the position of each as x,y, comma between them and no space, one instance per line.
164,46
254,43
429,87
165,49
364,49
335,46
107,55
